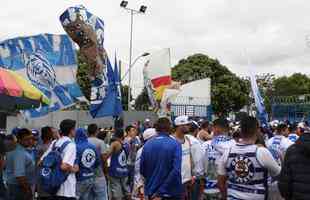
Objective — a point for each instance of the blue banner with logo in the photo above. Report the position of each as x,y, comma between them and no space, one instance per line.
49,62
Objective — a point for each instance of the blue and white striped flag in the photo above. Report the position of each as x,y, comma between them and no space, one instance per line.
259,102
87,30
49,62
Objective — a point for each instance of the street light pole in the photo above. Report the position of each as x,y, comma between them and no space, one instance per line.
130,57
132,64
132,12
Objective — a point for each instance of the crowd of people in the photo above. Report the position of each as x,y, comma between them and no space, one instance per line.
179,160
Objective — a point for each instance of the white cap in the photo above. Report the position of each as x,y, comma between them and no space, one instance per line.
274,123
182,120
147,120
149,133
301,125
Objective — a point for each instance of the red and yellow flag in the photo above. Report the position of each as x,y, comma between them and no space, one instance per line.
157,72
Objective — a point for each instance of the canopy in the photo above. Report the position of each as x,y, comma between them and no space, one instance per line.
16,93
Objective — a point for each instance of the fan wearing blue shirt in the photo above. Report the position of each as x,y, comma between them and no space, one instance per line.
160,164
87,160
20,168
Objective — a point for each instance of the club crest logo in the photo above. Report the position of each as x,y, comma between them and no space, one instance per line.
88,158
243,169
122,159
45,172
39,70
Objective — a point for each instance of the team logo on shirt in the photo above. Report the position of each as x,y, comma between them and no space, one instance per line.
122,159
88,158
275,148
45,172
243,169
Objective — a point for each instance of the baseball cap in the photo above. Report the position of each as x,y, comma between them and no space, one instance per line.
182,120
35,133
274,123
15,131
149,133
301,125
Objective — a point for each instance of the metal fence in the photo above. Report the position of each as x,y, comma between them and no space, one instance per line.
202,111
292,108
291,112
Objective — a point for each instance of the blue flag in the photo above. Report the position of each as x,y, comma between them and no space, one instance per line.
259,102
110,105
49,62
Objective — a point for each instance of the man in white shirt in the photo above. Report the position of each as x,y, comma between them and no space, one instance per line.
277,146
193,161
214,149
243,169
67,190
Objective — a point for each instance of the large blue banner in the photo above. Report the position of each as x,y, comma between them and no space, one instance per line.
49,62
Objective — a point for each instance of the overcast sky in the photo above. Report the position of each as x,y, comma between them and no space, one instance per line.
271,34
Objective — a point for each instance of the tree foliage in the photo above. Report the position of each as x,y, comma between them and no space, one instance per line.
228,92
82,76
284,86
124,91
142,102
296,84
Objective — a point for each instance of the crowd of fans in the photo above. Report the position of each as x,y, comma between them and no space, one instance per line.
179,160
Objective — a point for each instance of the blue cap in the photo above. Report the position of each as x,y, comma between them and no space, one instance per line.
35,133
15,131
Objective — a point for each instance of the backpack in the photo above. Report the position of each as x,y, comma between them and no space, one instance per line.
51,176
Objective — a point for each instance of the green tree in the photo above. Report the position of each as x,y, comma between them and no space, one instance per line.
296,84
228,92
82,76
124,92
285,86
142,101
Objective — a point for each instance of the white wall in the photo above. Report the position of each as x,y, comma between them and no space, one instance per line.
83,118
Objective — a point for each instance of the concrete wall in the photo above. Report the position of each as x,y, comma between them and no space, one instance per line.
83,118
